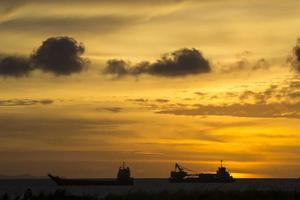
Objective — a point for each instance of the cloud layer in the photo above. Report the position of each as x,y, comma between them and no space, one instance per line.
25,102
276,101
182,62
273,110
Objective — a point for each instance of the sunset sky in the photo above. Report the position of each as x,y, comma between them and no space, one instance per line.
88,84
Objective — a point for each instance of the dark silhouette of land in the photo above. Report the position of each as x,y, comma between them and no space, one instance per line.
176,195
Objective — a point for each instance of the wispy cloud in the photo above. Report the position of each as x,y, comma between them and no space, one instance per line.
25,102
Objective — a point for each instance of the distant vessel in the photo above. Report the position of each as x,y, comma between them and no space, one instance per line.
123,178
180,175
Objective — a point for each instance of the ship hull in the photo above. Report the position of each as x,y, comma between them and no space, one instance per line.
199,180
91,182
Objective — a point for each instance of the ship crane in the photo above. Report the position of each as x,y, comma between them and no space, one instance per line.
181,172
181,168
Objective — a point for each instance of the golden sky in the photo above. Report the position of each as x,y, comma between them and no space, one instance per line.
94,83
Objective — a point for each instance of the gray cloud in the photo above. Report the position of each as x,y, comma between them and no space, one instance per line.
182,62
245,64
297,54
117,67
59,55
288,92
14,66
294,58
261,97
261,64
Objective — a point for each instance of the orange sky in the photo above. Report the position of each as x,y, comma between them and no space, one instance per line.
231,94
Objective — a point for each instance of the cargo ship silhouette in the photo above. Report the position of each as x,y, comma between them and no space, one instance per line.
179,175
123,178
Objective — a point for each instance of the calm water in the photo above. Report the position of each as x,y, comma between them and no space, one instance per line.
18,186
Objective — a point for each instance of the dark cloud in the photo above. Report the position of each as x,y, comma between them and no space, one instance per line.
182,62
118,67
179,63
25,102
294,57
60,56
14,66
297,54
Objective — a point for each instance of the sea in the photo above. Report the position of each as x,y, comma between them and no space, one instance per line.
17,187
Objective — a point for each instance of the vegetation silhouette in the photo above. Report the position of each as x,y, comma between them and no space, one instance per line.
167,195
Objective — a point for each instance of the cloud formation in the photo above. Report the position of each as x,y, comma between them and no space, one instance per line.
60,56
14,66
182,62
57,55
